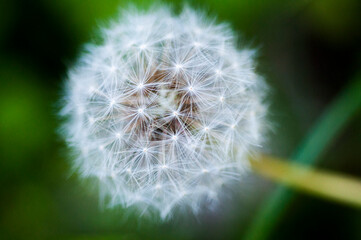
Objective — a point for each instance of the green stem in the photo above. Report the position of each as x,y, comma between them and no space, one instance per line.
328,126
322,183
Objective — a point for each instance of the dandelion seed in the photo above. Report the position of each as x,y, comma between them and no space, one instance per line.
218,72
140,110
112,69
168,76
196,44
143,46
91,89
91,120
178,67
140,86
169,36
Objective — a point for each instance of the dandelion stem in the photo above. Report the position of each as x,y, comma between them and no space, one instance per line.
309,152
326,184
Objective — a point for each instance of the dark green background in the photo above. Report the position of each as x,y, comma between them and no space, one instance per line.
308,50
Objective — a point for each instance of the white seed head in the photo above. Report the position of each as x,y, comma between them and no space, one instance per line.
158,112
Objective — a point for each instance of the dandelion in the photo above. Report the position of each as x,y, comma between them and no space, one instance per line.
164,111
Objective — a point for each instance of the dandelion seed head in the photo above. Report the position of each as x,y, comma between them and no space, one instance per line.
165,102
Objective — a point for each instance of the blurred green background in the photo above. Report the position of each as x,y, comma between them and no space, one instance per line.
308,50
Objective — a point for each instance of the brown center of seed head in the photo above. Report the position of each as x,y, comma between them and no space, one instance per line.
175,109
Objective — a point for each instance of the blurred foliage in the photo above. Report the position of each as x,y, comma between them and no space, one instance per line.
342,28
307,52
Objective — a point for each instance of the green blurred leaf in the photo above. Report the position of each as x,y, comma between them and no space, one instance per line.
25,129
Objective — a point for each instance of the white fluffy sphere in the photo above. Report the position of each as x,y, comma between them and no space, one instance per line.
164,111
